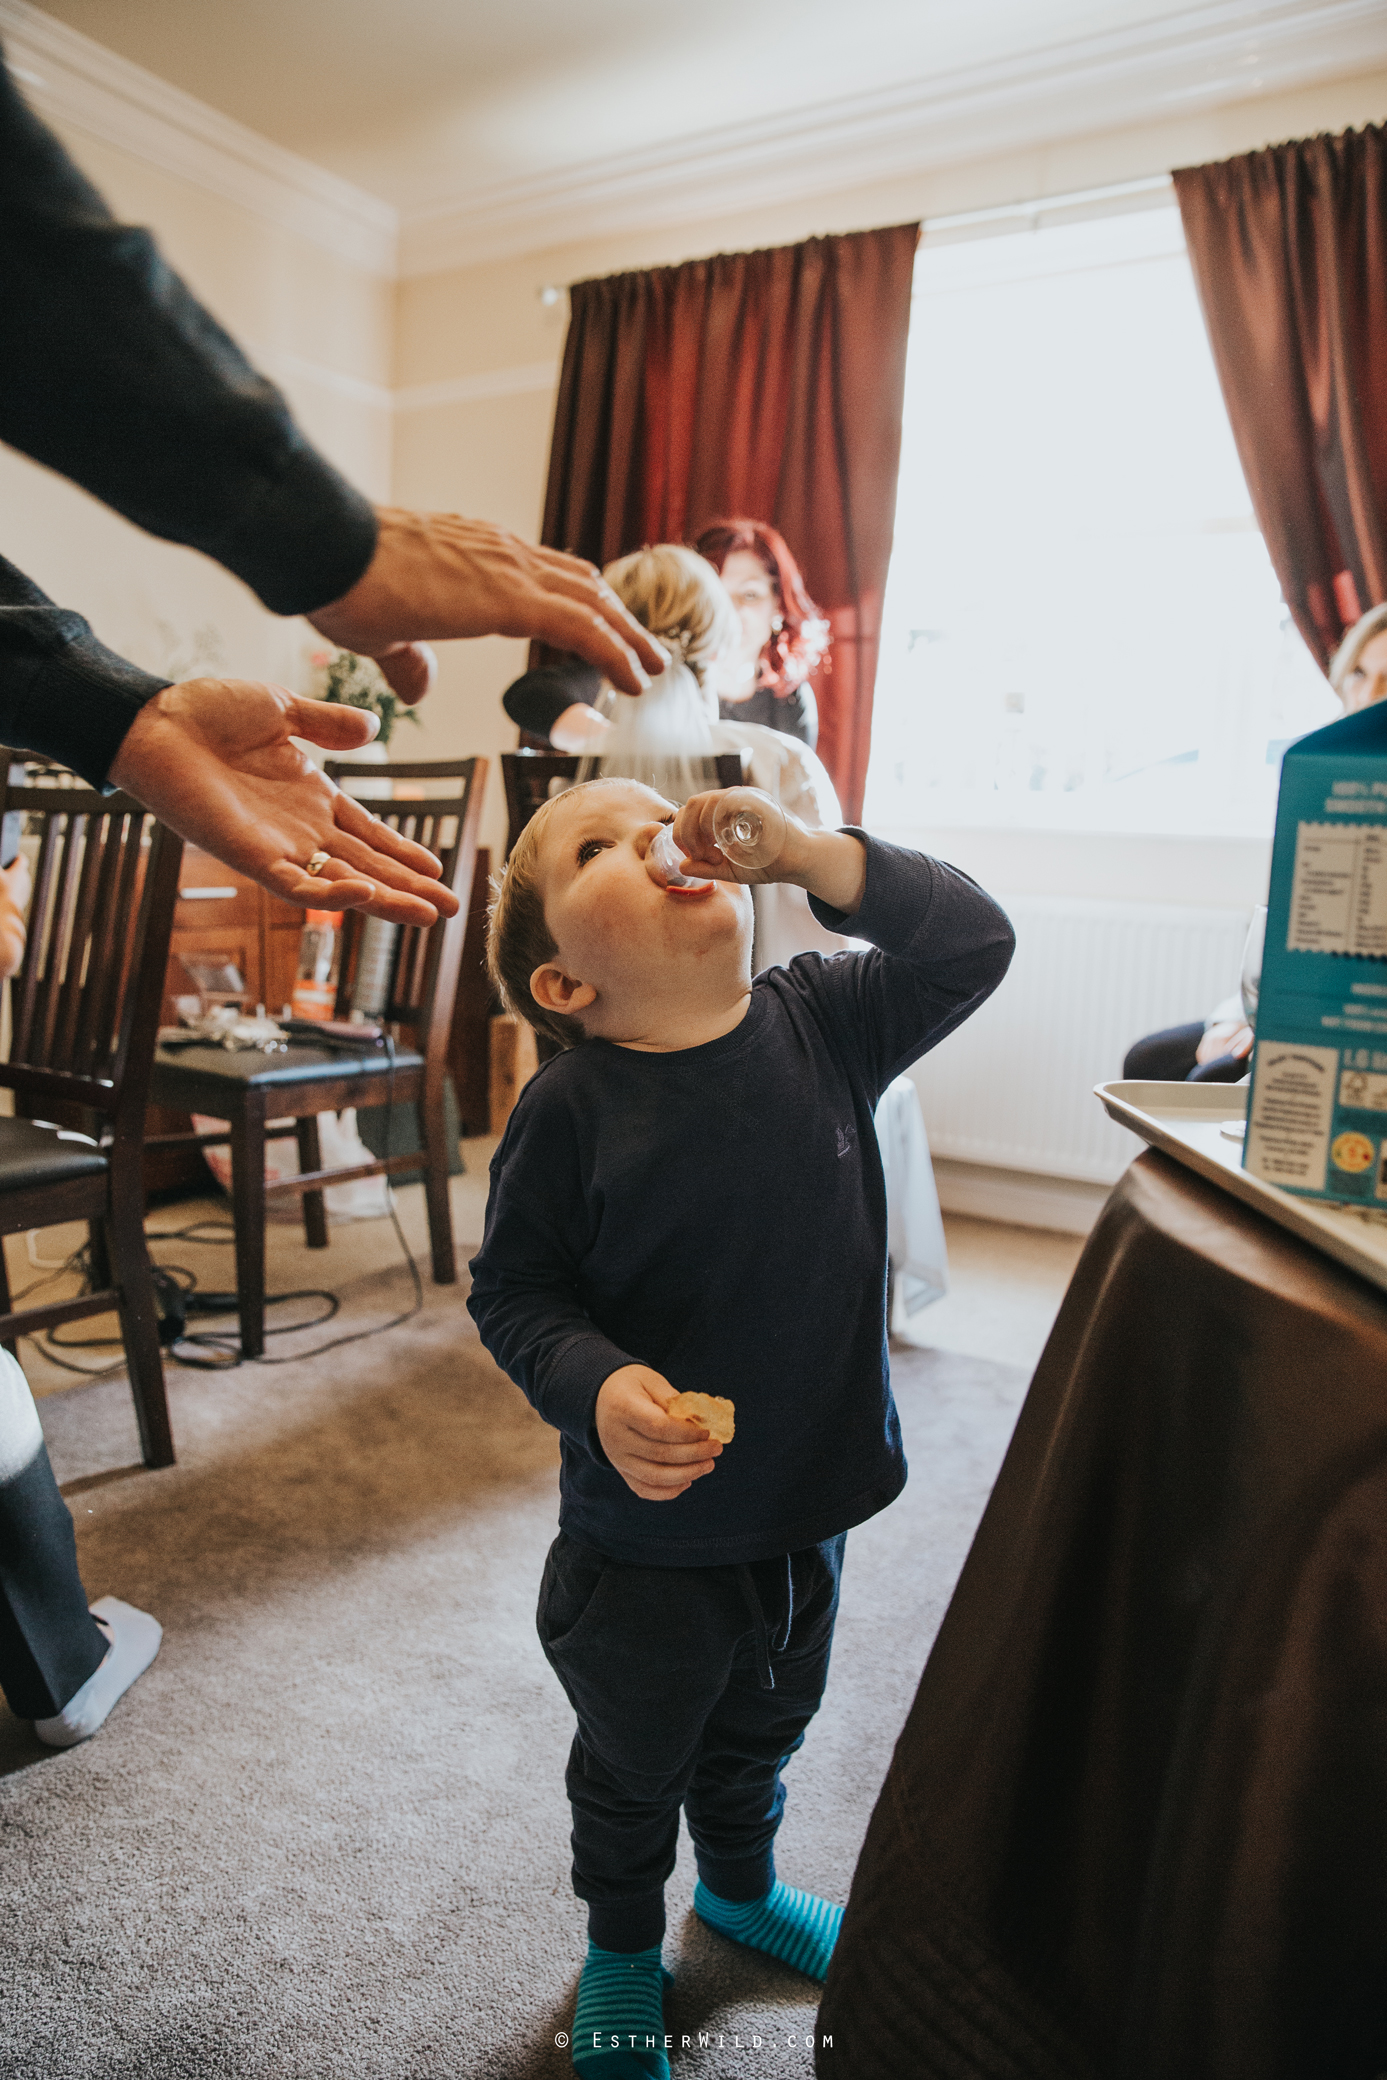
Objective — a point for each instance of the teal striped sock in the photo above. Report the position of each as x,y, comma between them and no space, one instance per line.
619,2029
794,1926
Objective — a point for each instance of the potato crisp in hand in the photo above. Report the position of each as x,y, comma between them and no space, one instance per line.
710,1411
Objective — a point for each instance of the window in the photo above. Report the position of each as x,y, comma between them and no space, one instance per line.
1082,628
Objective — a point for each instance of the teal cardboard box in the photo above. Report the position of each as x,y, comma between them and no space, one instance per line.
1317,1115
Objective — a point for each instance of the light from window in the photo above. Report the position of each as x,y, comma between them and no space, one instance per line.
1082,627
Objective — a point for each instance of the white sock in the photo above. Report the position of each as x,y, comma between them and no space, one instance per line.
135,1638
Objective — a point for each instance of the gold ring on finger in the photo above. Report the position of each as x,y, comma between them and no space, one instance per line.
317,863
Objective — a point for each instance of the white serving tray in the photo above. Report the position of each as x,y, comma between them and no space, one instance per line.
1187,1121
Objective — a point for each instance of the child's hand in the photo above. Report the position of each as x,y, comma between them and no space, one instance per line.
656,1455
828,864
693,833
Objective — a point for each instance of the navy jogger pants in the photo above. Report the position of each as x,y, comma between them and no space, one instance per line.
692,1687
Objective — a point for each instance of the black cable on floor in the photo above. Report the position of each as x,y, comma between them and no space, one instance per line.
50,1343
229,1340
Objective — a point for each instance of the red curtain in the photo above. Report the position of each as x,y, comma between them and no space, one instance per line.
1289,248
763,383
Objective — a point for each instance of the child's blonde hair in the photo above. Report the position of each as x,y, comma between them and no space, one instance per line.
519,939
676,594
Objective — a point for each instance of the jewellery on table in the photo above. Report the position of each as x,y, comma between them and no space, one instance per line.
317,863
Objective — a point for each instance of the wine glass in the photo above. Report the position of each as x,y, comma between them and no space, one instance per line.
749,828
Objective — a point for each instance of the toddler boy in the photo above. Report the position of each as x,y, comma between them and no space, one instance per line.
690,1197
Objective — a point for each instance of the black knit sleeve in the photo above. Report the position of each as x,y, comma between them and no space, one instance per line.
63,694
112,373
536,700
940,946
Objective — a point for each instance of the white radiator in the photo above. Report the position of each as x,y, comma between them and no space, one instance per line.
1013,1087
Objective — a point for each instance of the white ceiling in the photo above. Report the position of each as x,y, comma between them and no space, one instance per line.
430,104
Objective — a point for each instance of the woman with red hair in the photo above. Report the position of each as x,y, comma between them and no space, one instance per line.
784,636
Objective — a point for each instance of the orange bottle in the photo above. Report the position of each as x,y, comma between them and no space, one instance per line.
320,961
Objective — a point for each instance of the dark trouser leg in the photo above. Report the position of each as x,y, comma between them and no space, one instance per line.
735,1798
625,1835
644,1653
49,1641
665,1671
1164,1057
1225,1068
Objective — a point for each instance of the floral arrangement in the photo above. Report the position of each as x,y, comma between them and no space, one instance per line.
358,682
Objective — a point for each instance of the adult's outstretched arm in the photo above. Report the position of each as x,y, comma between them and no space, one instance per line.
215,759
212,757
112,373
435,575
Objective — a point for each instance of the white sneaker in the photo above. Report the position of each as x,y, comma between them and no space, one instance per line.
135,1638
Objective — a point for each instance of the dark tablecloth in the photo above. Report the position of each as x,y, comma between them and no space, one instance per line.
1136,1824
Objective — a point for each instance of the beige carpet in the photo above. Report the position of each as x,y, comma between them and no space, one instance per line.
326,1834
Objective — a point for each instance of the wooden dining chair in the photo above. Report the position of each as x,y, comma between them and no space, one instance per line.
250,1089
84,1011
530,777
527,777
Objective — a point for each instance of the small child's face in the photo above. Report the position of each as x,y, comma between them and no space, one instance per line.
614,924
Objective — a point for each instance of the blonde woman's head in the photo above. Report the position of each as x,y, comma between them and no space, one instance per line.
1358,668
679,597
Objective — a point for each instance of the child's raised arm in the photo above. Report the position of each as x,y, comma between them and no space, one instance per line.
939,947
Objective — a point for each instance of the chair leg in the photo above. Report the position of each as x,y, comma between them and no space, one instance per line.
102,1275
248,1212
5,1301
128,1256
314,1204
434,1137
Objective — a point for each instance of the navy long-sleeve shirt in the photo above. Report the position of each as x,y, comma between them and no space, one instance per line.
719,1214
112,373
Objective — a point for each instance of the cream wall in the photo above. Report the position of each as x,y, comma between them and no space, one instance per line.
319,325
462,335
438,390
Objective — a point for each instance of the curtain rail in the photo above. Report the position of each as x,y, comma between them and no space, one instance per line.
1040,205
962,220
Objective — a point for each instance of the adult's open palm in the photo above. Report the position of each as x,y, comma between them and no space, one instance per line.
216,761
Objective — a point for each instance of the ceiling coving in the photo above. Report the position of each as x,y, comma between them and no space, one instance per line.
497,127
